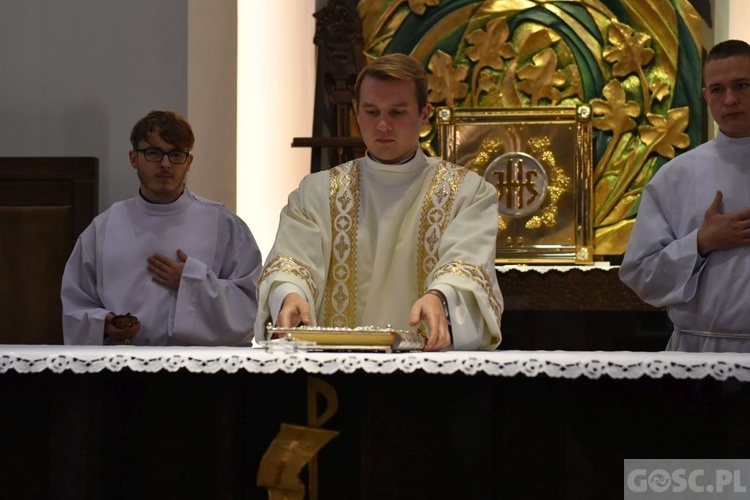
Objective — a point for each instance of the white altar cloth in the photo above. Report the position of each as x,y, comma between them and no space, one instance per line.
556,364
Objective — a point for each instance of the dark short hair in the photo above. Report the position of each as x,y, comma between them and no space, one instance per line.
396,67
172,127
728,48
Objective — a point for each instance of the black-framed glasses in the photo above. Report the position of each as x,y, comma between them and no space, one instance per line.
155,155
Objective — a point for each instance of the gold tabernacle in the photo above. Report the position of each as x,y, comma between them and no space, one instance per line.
540,161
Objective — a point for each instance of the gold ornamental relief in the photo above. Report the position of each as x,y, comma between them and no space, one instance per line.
521,183
637,64
527,184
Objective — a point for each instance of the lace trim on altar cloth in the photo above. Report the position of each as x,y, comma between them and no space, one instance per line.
528,268
555,364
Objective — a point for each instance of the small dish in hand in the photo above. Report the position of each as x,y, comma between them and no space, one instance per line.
124,320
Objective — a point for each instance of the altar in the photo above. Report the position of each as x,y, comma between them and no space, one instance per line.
191,422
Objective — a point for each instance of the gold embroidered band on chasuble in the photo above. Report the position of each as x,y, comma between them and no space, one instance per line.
340,297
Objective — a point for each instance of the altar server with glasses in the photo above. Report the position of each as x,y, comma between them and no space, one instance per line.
182,269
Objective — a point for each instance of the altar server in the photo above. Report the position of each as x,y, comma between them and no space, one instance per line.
393,238
689,250
186,267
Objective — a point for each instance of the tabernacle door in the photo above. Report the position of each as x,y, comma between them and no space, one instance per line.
540,160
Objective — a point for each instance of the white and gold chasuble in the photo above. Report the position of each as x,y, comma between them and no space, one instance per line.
363,241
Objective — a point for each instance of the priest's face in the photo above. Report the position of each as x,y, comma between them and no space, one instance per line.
390,119
727,93
162,179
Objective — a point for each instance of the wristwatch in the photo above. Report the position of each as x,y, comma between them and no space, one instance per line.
441,296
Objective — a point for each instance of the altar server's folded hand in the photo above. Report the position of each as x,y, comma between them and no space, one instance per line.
165,271
121,334
429,309
294,310
721,231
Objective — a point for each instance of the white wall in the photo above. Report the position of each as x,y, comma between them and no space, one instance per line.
276,87
77,74
212,98
732,19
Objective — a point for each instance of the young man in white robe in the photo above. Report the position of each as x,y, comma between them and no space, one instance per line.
187,268
690,248
394,238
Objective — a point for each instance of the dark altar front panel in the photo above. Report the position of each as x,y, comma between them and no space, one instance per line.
402,435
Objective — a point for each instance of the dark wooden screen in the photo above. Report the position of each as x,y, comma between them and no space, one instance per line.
45,203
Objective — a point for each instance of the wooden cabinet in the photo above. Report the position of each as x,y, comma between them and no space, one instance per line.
45,203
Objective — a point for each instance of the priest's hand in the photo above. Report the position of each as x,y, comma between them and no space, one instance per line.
294,310
165,271
429,309
721,231
120,334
